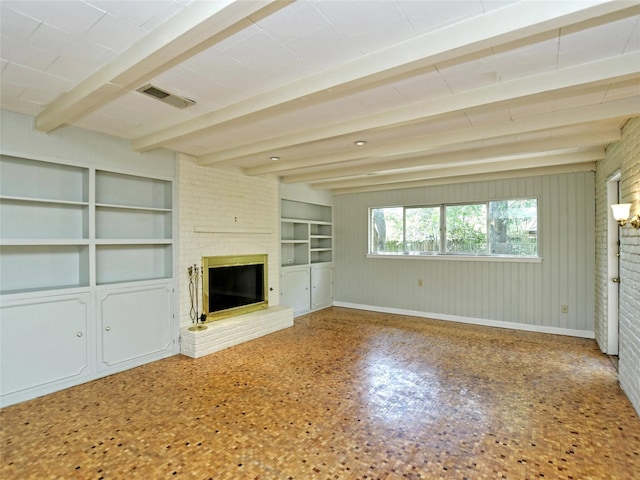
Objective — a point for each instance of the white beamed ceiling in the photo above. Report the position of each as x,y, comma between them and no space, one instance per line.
441,91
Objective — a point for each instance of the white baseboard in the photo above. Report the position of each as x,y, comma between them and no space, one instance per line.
470,320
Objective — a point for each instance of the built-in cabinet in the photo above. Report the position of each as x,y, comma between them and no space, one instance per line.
306,242
44,342
295,288
321,286
132,324
86,274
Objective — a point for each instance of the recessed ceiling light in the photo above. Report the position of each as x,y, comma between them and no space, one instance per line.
360,143
275,159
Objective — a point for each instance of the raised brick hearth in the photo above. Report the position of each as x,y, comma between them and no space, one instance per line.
232,331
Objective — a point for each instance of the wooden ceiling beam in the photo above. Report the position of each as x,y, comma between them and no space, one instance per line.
623,108
610,70
444,159
196,28
470,168
483,177
508,24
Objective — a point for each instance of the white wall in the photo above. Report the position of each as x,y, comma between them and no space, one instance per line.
77,146
623,156
239,214
302,193
517,295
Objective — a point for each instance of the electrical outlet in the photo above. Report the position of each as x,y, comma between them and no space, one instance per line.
564,308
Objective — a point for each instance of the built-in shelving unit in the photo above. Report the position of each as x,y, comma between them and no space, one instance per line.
44,226
306,243
45,211
305,233
86,273
133,228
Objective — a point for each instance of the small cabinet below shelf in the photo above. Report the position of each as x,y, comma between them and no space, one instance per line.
321,286
49,349
294,289
133,323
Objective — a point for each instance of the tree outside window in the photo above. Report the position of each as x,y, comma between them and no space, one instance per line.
466,227
386,225
513,226
422,230
495,228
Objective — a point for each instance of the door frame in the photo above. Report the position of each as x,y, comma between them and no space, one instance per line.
613,266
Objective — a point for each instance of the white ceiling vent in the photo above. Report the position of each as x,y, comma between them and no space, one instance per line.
166,97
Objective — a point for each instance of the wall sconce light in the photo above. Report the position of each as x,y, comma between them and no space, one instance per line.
621,215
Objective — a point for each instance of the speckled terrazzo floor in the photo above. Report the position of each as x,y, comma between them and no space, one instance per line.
344,394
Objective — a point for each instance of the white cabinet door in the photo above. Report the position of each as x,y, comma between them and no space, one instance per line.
134,325
43,342
294,289
321,286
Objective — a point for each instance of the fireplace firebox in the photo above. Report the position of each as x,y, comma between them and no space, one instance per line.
233,285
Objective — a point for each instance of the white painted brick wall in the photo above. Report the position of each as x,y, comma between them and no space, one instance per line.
223,197
624,156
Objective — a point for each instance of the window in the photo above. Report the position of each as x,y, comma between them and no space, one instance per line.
496,228
466,227
422,229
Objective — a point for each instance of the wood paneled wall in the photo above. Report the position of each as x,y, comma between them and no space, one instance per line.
528,294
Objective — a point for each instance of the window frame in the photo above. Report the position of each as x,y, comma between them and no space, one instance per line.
442,254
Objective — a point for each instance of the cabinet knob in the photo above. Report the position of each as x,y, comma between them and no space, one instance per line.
107,328
79,334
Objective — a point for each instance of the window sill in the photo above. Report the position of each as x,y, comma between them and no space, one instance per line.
464,258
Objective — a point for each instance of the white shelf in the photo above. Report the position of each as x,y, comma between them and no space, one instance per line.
115,189
133,223
305,234
26,242
127,263
43,219
32,179
8,198
129,207
293,210
131,241
52,222
133,228
43,267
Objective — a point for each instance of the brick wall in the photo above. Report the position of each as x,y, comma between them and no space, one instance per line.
242,211
623,156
